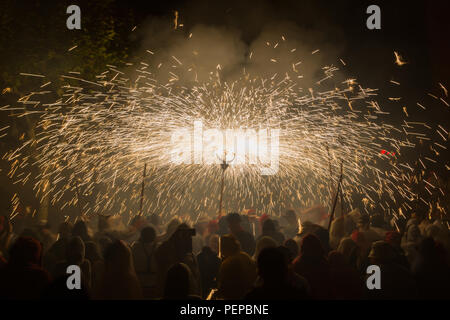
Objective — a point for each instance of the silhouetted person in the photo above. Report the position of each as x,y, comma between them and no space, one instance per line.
23,276
177,284
75,255
95,258
431,271
262,243
119,280
208,264
237,273
394,239
245,238
80,229
273,270
178,248
347,284
57,252
269,230
312,265
396,281
369,233
292,247
144,261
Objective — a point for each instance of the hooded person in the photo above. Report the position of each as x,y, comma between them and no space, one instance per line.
75,255
119,281
23,277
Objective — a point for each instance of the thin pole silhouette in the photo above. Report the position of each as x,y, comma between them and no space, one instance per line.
142,189
336,197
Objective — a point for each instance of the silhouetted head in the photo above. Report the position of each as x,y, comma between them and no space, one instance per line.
381,253
311,247
264,242
75,250
148,235
428,249
229,246
177,284
272,266
234,221
65,230
337,261
80,230
182,239
268,226
26,251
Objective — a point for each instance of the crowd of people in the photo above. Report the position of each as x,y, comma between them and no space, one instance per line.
233,257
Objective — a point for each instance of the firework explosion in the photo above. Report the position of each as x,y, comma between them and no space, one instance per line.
92,143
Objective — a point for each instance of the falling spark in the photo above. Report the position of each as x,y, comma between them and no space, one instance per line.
175,20
398,59
32,75
444,88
